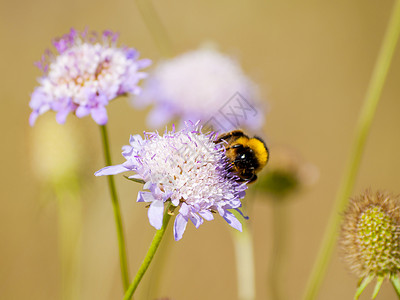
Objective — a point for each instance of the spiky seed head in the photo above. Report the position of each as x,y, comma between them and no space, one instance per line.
370,234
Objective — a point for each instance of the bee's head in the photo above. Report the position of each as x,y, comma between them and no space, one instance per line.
244,158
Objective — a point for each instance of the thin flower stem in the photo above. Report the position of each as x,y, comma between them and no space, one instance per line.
244,255
117,211
364,123
70,225
156,278
155,26
277,259
150,254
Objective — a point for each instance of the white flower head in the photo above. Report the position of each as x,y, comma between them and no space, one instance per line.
187,168
202,85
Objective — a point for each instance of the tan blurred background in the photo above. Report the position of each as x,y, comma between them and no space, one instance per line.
312,60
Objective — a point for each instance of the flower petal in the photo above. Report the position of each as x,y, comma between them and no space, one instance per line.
175,199
231,219
82,111
148,185
145,197
135,140
196,220
111,170
62,115
241,213
179,226
155,214
99,114
184,210
144,63
32,118
207,215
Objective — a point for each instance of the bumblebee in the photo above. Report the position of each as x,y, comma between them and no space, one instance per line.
247,155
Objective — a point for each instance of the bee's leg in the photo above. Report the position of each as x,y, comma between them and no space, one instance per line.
252,179
231,166
241,179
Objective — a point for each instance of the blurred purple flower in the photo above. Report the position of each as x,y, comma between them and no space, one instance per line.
201,85
187,168
86,74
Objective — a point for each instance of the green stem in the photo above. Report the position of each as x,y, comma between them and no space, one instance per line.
278,251
156,278
244,255
70,224
117,211
150,254
364,123
155,26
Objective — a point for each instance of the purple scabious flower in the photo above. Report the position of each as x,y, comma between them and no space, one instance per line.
202,85
85,75
187,168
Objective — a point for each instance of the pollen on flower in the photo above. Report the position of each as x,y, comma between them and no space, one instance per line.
187,168
370,236
88,72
